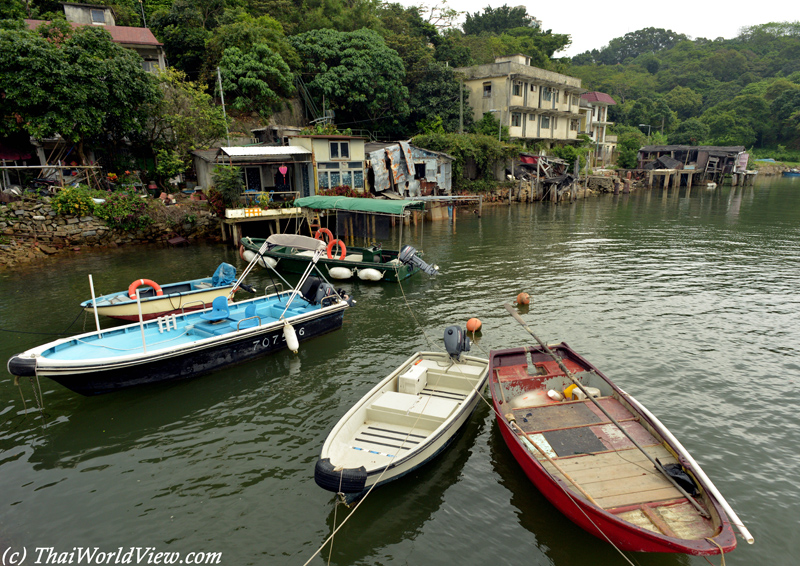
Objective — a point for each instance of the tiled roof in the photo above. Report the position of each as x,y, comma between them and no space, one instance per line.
119,34
597,97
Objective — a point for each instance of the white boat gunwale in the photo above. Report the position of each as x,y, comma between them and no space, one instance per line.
430,444
58,366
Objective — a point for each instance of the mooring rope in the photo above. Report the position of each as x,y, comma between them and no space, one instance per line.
378,480
410,310
46,333
721,552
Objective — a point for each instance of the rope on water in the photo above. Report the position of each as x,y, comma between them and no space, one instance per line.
405,299
46,333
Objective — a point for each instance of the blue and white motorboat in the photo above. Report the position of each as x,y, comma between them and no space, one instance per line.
180,346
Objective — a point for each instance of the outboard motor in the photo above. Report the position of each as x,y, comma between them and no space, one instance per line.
314,290
456,341
408,255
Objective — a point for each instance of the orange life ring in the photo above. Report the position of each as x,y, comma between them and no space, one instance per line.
341,247
150,283
324,232
241,251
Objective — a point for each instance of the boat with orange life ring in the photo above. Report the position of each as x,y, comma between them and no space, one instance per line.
371,263
159,300
192,344
139,282
324,234
342,249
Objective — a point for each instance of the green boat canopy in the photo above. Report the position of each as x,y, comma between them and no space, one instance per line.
368,205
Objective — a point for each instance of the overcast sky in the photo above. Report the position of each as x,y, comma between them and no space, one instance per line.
593,24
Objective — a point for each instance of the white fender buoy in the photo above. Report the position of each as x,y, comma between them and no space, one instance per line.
291,337
340,273
369,274
263,261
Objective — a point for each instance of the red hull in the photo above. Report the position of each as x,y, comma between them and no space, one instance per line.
594,519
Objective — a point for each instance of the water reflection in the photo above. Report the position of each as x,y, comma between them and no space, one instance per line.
399,510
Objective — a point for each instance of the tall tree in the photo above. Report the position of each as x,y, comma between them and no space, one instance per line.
258,79
185,117
77,84
689,132
497,20
356,75
635,43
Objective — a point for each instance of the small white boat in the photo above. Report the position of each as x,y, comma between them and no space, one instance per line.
161,300
405,420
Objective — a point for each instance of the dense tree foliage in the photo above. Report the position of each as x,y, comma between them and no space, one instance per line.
632,45
388,68
497,20
185,117
74,83
723,92
257,80
356,75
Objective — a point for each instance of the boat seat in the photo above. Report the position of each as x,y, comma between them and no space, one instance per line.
219,310
203,285
354,257
250,319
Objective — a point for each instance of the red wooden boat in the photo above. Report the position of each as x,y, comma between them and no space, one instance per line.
595,455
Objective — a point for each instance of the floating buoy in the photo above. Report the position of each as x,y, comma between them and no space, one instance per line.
523,299
340,273
369,274
473,325
291,337
263,261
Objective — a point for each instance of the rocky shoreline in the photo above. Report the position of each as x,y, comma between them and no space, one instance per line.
30,230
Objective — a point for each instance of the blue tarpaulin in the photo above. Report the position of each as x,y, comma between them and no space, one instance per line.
224,275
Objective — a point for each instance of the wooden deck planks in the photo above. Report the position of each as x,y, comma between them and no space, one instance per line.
616,479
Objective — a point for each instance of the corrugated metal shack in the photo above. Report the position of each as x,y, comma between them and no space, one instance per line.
710,163
407,170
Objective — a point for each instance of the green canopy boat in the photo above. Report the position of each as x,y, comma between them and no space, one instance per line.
371,263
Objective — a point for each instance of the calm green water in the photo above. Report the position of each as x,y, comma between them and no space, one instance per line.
690,303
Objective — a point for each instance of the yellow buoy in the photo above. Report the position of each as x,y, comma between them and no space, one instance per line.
473,325
523,299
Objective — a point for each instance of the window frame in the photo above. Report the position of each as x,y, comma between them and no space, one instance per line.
339,154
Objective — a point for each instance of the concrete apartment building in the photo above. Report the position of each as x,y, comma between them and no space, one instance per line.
536,105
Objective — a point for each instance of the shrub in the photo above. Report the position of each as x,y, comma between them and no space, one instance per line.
74,200
216,202
229,183
124,211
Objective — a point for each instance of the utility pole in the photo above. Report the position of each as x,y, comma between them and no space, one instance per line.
224,114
